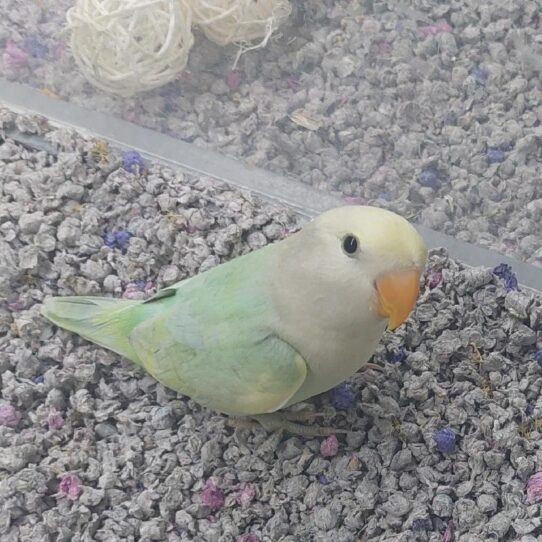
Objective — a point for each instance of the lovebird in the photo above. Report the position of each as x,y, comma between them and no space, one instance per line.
270,328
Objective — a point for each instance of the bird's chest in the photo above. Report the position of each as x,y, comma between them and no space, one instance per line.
337,357
332,356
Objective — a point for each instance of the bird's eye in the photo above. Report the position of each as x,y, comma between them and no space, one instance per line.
350,244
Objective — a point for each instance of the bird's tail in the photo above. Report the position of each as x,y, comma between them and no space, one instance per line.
102,320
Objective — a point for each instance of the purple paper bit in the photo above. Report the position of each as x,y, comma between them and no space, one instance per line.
355,200
534,488
16,306
329,446
293,83
384,47
246,494
58,50
9,416
131,115
133,291
434,29
55,419
233,79
434,278
14,57
211,495
449,533
70,486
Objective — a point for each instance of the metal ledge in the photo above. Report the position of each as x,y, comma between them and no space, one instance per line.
304,199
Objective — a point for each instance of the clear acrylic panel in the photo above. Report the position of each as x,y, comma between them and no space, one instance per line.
430,108
421,107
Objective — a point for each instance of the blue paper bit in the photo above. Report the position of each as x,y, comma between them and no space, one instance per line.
422,524
342,396
35,47
123,238
38,379
538,357
133,162
170,91
432,178
504,272
322,478
480,74
511,283
117,239
110,239
446,440
397,355
529,409
386,196
495,155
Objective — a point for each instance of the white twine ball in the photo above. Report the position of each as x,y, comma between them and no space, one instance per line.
239,21
129,46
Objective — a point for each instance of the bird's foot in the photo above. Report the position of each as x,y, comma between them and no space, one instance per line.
286,422
290,415
242,423
373,366
302,415
283,422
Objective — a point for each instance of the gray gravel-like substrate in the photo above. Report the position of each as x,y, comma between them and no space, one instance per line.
403,92
92,449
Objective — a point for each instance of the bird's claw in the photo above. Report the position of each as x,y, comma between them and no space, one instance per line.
373,366
280,422
286,422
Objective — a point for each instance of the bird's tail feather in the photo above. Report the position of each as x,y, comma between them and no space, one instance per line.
102,320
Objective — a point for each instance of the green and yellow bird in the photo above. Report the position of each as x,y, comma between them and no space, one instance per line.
273,327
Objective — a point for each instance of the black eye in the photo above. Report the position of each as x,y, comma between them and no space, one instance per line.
350,244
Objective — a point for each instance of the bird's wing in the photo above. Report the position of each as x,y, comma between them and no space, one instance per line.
214,342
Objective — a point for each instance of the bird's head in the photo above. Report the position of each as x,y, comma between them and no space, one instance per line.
360,250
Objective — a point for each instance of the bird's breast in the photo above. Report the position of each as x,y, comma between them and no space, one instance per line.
333,357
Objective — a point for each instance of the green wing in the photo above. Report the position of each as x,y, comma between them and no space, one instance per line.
214,341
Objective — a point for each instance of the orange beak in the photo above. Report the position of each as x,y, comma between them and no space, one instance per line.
397,294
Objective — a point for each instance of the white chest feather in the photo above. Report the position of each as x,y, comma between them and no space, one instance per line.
331,356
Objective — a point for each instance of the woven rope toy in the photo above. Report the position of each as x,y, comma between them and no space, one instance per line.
129,46
240,21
